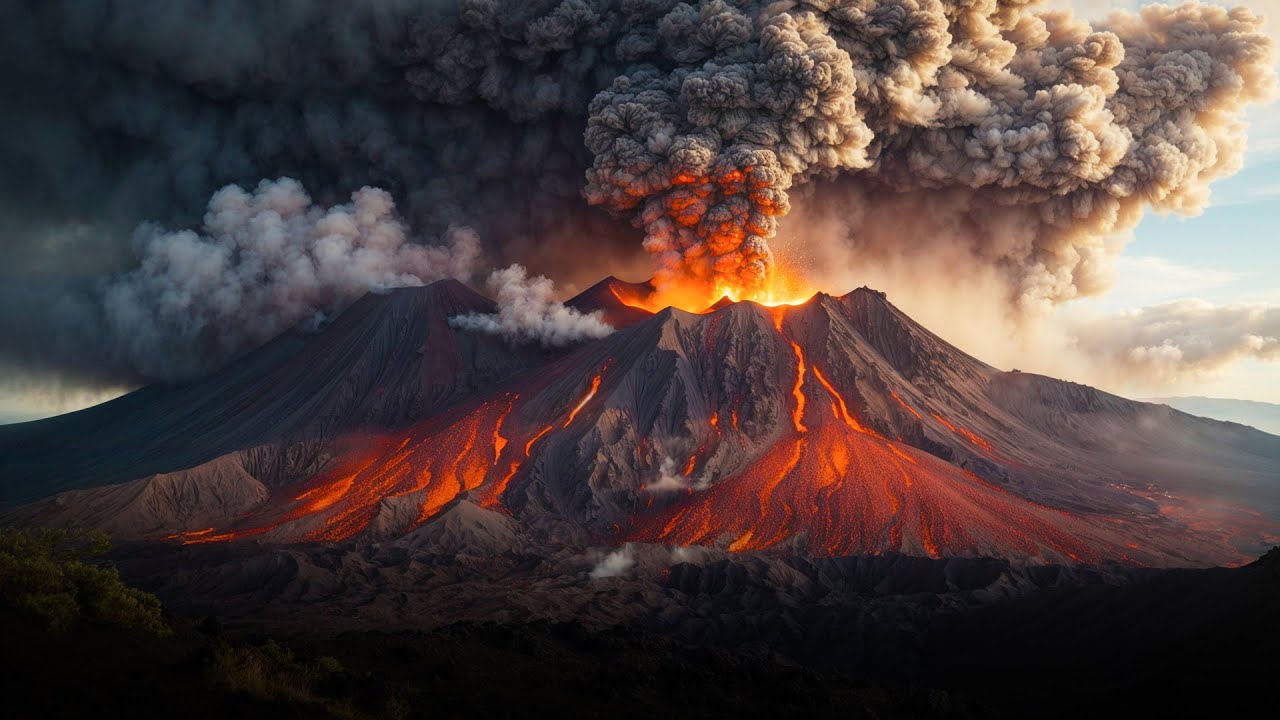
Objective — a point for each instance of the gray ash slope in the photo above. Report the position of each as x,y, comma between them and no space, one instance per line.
387,361
685,411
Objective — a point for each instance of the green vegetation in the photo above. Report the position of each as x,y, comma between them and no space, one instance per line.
52,576
271,672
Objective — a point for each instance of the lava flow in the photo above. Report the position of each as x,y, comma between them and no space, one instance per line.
806,462
847,490
398,481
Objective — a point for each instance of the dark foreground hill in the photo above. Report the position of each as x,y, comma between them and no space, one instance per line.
1172,643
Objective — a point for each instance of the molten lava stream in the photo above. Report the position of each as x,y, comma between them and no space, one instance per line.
851,491
431,464
595,385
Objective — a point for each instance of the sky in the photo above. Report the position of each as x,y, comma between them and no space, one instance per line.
1227,255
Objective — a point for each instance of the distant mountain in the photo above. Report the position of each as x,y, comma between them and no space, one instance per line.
1261,415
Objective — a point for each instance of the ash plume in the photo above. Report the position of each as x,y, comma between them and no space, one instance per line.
1036,122
1033,136
528,312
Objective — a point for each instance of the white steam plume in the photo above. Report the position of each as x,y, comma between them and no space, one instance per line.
668,479
616,563
528,312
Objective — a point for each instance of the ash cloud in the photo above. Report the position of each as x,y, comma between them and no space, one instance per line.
265,261
1053,132
1179,340
528,312
1033,138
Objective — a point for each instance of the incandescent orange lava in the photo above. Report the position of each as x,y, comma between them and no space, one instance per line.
595,385
797,416
781,288
850,491
825,477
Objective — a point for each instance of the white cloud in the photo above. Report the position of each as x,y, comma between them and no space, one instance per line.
1185,340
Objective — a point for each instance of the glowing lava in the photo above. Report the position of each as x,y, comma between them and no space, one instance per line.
819,476
798,391
466,451
781,289
843,409
847,490
595,385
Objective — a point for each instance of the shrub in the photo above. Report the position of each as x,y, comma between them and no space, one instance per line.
271,672
50,575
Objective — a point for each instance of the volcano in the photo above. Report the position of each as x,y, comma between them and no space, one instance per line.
834,427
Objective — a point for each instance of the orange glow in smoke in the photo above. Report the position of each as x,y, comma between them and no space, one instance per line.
781,289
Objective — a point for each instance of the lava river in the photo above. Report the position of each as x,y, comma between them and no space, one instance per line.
847,490
409,477
826,478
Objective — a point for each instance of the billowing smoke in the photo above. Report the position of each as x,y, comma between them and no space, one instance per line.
1031,137
1044,135
704,154
265,261
528,312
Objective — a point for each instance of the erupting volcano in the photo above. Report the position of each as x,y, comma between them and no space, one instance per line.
832,426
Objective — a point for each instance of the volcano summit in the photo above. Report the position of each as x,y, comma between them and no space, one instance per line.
833,427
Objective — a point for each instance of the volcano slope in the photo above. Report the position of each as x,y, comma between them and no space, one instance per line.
835,427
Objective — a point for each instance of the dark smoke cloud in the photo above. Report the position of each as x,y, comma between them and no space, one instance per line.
1038,121
265,261
700,122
